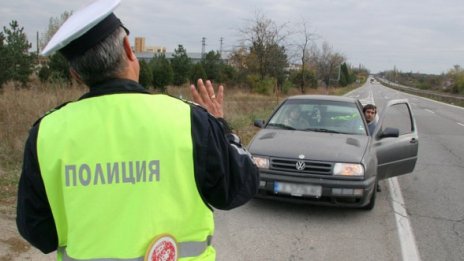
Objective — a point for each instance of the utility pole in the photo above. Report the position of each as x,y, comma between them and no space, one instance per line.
37,57
203,47
37,43
221,41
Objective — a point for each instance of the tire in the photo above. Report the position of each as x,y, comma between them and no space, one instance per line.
371,203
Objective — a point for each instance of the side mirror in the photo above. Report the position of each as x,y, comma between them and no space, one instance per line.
259,123
389,133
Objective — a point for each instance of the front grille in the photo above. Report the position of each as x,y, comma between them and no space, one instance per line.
310,167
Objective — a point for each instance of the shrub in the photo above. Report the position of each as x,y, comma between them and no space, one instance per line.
261,86
44,74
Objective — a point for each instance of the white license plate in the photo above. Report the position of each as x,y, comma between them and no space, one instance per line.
298,190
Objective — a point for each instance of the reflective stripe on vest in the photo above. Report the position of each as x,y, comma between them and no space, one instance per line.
186,249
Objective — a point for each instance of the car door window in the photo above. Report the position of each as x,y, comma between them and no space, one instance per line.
396,155
398,116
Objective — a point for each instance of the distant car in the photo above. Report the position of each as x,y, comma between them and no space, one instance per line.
327,156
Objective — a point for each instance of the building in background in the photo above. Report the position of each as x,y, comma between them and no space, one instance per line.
140,47
139,44
146,53
147,56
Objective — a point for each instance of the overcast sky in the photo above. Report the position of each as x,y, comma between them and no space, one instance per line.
424,36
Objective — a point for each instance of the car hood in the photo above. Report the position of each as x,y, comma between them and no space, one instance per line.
318,146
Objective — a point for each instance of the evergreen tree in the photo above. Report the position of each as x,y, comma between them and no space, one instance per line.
17,63
146,74
44,73
198,73
59,68
228,73
181,65
162,72
213,66
345,76
277,63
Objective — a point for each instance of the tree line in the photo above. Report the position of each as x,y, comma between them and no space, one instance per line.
264,61
450,82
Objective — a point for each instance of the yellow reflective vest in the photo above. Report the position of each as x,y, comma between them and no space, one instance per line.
118,171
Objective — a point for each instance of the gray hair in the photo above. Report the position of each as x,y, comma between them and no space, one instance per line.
104,61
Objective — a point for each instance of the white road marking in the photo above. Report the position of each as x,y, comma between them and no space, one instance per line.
429,110
409,250
460,124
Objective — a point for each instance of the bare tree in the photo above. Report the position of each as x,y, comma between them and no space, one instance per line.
238,58
53,25
264,40
303,47
327,62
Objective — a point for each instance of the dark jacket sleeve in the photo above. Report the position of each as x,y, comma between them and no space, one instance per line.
34,216
225,172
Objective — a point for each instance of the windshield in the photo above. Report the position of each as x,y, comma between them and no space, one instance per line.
318,116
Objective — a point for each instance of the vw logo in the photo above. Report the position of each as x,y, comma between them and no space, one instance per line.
300,165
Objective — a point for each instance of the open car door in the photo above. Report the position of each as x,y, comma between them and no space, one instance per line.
395,140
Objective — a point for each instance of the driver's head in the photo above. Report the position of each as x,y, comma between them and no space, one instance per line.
294,112
369,111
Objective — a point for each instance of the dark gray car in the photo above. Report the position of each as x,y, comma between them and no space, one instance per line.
316,148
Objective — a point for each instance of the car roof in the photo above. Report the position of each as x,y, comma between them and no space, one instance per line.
322,97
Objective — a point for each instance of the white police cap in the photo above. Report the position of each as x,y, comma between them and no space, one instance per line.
84,29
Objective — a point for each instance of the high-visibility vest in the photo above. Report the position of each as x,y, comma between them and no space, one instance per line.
118,171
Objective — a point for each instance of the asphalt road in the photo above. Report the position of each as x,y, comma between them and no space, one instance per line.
433,194
433,202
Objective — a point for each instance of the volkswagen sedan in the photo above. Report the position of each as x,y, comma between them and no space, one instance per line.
316,149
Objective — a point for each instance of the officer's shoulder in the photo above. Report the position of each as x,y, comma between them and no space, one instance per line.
50,112
192,104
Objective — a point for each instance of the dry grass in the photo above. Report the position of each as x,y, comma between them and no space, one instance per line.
20,108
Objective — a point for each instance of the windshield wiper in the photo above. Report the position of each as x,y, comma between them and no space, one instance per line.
280,125
322,130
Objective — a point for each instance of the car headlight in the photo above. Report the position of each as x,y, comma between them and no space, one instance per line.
262,162
347,169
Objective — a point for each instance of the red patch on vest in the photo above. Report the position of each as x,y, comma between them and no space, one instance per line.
162,249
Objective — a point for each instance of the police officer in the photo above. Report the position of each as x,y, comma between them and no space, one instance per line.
121,174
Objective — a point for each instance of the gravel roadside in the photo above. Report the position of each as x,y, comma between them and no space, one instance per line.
12,246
